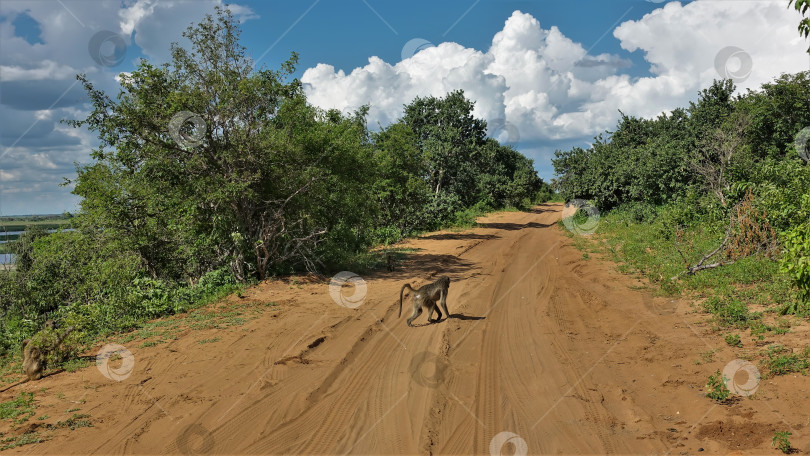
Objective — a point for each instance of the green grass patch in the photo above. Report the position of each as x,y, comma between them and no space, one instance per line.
656,250
72,365
74,422
733,340
25,439
19,409
780,360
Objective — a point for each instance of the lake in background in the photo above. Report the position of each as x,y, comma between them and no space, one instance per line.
6,258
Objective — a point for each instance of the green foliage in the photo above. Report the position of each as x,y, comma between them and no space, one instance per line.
684,173
74,422
781,360
728,311
24,439
796,263
781,439
804,25
733,340
716,388
18,410
258,183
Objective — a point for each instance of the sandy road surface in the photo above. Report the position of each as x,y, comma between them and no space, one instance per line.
565,353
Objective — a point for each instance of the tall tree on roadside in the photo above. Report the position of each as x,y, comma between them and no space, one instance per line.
449,135
251,176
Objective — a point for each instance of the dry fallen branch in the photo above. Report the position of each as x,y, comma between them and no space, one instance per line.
700,266
748,233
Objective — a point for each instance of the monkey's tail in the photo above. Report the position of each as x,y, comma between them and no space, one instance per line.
408,286
14,384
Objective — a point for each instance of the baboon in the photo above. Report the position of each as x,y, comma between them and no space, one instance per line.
35,355
426,297
389,260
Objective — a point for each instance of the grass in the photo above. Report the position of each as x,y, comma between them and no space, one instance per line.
25,439
780,360
18,410
743,299
733,340
727,293
22,408
72,423
706,357
72,365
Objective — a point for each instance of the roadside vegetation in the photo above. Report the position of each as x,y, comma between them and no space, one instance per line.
212,174
712,201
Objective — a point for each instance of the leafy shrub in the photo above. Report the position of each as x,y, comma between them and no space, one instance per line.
781,440
733,340
796,261
441,210
716,387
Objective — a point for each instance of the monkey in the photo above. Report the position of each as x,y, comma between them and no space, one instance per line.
35,355
389,259
426,296
33,361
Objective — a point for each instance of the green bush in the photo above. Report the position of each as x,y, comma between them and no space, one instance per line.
781,440
796,261
716,387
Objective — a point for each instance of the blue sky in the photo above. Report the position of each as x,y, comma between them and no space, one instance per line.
552,74
346,33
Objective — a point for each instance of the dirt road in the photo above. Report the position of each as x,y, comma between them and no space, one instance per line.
564,353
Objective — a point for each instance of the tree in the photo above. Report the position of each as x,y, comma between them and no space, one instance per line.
715,153
449,135
804,25
401,187
251,176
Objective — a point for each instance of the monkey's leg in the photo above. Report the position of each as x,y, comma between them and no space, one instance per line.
443,302
417,310
435,307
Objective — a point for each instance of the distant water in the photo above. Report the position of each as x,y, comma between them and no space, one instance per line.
6,258
17,233
14,234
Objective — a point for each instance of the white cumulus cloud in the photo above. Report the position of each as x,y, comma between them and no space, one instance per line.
552,90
